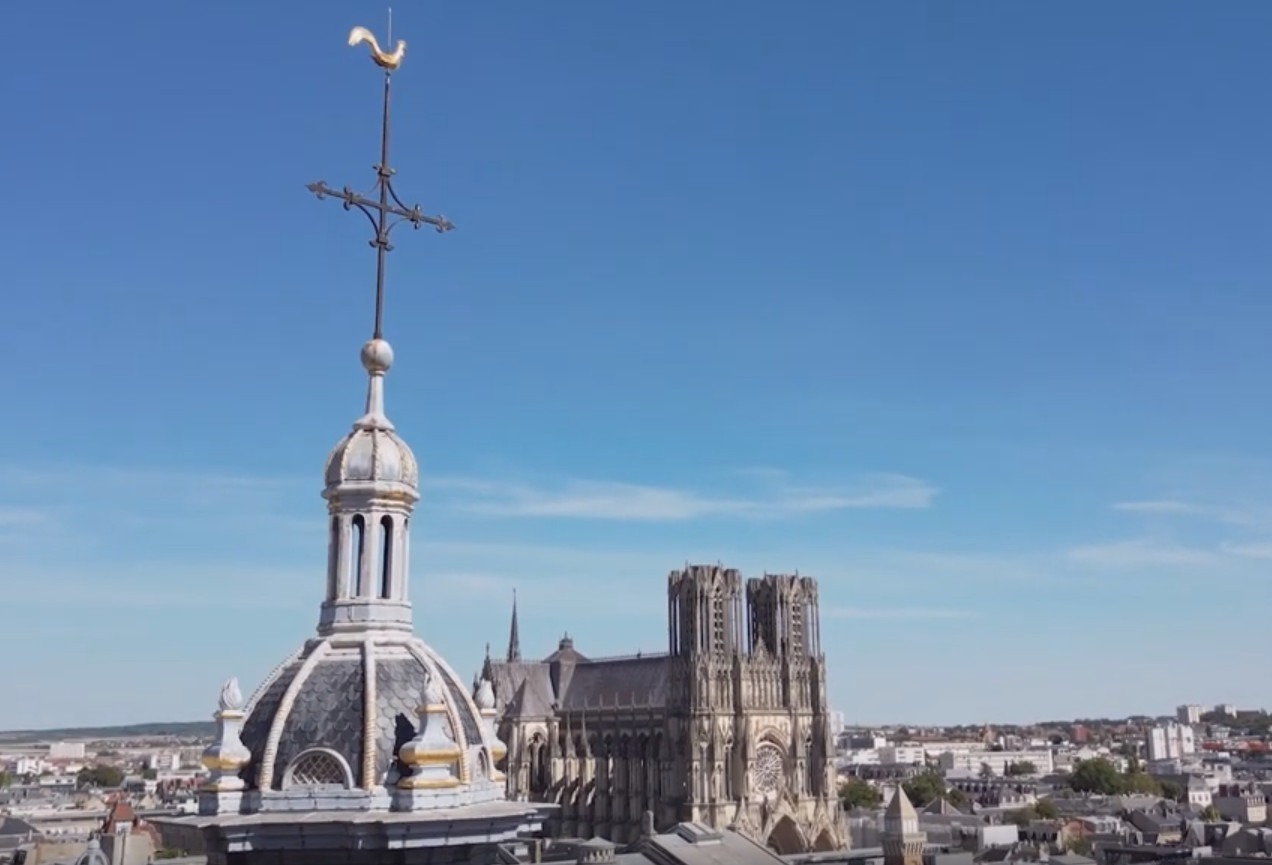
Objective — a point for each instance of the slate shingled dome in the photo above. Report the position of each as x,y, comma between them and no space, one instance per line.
308,722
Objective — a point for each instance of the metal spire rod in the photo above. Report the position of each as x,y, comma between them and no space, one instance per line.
386,211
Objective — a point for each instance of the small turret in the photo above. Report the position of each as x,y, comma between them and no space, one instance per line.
903,842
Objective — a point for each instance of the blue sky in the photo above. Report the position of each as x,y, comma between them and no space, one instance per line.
960,308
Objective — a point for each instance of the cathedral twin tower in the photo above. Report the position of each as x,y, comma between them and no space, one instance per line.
770,658
705,613
729,728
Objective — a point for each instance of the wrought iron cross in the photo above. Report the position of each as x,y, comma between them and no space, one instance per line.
385,211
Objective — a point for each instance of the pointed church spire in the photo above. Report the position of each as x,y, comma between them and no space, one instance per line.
514,638
487,666
900,808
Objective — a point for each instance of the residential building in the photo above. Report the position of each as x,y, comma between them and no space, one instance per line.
1189,714
862,740
1171,741
863,757
125,838
66,751
1198,792
976,762
1242,802
163,762
902,755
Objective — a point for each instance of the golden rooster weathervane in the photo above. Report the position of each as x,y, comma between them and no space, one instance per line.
384,60
385,205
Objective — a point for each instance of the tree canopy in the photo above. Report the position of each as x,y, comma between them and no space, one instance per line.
1101,776
925,787
100,776
1139,782
1043,809
856,793
1080,846
1096,776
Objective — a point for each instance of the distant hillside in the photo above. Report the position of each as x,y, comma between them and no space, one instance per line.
126,731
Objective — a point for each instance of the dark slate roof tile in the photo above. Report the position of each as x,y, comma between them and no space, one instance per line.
327,714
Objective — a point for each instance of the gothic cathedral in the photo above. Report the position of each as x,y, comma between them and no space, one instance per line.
729,728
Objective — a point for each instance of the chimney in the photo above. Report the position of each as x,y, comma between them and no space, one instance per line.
647,824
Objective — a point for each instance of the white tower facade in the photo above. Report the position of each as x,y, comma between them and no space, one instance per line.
372,485
1171,741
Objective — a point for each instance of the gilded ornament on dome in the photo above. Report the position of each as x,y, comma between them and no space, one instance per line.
231,699
384,59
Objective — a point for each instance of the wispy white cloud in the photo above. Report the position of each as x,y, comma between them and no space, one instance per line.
560,597
18,523
909,566
1142,553
111,505
162,586
22,517
1157,506
596,500
1256,550
87,476
1229,506
159,495
772,497
1245,515
567,561
897,613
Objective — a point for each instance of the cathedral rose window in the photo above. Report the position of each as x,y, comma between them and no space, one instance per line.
768,772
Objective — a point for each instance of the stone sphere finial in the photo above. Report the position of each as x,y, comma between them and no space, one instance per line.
377,356
485,696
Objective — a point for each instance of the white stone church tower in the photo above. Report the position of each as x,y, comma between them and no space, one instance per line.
363,746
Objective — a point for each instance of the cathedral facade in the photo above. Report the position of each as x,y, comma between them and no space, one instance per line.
729,728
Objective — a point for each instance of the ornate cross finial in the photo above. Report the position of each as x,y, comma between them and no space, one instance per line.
385,204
